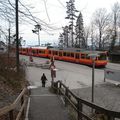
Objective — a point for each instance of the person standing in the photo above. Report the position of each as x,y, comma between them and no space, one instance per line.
53,72
43,80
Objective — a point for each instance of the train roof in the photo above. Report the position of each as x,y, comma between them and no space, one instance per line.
77,50
39,47
35,47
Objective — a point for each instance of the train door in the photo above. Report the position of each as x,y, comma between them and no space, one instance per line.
56,54
49,53
82,58
60,55
77,57
72,55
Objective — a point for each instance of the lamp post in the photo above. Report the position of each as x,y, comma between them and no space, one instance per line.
93,57
37,31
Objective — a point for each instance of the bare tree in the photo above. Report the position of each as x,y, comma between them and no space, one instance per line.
86,34
116,18
93,35
101,21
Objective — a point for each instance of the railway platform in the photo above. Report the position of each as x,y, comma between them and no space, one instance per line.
44,105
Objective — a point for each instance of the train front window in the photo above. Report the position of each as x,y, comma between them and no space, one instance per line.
102,56
87,56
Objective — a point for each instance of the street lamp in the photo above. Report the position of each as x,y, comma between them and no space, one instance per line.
93,57
37,30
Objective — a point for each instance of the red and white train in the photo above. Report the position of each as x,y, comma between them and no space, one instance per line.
67,54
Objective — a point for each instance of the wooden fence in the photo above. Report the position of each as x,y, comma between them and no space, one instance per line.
79,105
20,103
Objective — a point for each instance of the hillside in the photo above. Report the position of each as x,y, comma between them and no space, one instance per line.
11,83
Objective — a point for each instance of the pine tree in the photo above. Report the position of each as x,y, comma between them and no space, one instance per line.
61,40
80,40
71,10
65,36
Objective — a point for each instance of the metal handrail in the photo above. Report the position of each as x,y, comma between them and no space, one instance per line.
78,106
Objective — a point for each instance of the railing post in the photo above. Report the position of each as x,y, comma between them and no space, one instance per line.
66,95
55,87
59,87
79,109
11,116
22,101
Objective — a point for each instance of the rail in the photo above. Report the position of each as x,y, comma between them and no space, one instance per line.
20,101
81,106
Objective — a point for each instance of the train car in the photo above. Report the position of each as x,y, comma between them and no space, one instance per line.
34,51
79,56
100,58
38,52
23,50
67,54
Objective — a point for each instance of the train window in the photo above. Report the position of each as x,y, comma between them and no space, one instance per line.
56,52
40,51
72,54
82,56
64,53
37,51
102,56
49,51
60,53
77,56
24,50
53,52
43,52
68,54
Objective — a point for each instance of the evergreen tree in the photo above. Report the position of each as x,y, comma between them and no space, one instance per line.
61,41
65,36
71,10
80,40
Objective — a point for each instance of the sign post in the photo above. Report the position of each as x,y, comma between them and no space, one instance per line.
93,57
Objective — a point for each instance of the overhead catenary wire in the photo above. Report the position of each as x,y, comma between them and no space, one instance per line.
61,4
29,15
46,10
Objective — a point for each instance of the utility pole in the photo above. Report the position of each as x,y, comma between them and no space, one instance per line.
17,37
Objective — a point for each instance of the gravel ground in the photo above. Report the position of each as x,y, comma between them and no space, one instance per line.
106,95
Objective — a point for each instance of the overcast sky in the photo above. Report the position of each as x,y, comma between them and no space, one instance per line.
56,10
